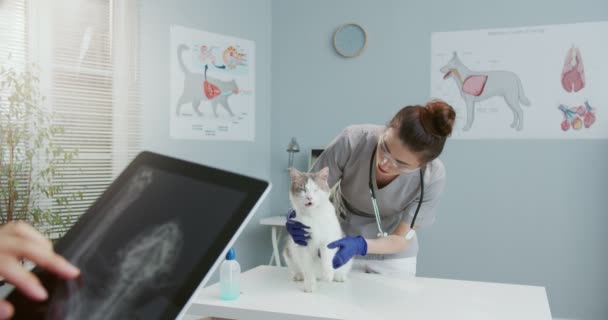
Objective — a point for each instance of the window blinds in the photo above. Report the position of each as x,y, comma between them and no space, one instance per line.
87,51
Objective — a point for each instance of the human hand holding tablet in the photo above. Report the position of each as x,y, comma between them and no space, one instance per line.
19,240
148,242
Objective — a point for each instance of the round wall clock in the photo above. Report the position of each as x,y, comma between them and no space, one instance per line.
350,40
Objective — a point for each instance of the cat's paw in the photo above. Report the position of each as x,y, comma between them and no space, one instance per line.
340,277
327,275
297,276
310,286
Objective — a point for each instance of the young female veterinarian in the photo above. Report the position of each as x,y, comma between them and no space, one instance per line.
389,183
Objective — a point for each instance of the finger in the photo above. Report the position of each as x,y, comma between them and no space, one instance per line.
301,225
337,262
14,273
26,231
297,224
302,239
334,244
6,310
299,232
43,257
61,267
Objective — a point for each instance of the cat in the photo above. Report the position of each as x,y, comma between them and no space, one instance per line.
309,196
194,92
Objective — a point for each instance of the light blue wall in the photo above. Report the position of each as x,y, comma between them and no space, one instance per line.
239,18
529,212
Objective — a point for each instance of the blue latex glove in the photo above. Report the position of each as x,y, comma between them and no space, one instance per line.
297,229
348,247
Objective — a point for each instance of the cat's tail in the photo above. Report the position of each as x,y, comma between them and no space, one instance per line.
180,49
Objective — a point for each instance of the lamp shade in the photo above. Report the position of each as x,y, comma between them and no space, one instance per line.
293,146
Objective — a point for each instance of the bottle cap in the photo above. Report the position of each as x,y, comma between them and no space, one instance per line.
231,255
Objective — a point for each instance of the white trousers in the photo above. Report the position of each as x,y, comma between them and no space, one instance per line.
397,268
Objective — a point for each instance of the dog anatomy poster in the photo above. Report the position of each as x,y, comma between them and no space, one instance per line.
212,86
542,82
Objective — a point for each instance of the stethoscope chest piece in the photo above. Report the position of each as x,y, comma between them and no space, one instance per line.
410,234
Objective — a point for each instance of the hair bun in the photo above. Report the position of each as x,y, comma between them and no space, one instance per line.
437,118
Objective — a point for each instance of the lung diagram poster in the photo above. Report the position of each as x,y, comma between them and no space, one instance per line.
541,82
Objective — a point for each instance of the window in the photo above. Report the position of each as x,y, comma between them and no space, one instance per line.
13,30
87,51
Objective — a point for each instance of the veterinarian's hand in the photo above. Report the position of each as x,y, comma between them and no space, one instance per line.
19,240
348,247
297,229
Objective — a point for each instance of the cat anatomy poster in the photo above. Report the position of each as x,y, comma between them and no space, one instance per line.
542,82
212,86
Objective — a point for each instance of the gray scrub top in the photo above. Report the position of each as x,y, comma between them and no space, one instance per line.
348,157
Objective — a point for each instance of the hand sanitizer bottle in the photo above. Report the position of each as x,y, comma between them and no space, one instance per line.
229,277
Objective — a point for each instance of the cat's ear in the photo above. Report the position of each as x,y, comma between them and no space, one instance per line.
293,173
323,173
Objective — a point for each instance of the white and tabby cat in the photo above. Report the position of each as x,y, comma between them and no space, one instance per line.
309,196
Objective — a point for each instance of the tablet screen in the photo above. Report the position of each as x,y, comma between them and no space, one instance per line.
142,249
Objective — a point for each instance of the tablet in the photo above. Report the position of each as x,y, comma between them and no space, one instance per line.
156,234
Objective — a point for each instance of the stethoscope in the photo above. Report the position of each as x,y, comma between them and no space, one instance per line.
410,234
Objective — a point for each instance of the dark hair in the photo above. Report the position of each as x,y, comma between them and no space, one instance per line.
424,129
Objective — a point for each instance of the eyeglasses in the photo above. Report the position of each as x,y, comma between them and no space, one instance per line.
387,157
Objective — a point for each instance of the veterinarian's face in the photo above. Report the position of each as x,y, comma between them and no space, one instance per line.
393,157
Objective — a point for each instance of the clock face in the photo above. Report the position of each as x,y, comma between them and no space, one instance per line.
349,40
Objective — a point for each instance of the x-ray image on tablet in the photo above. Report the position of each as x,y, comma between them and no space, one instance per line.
147,243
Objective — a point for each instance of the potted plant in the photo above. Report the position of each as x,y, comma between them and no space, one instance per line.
30,158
